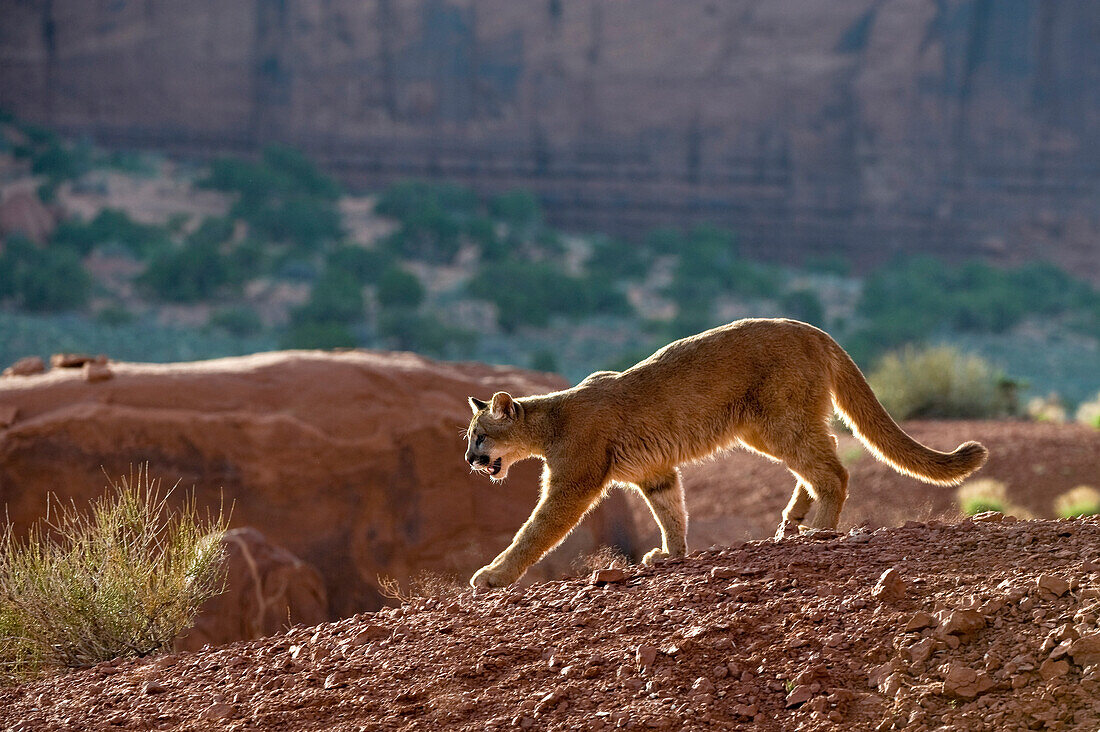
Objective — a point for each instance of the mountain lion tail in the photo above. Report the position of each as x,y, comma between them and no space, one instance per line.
874,427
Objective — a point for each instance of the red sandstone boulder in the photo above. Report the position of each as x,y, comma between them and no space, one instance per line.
27,366
352,461
267,589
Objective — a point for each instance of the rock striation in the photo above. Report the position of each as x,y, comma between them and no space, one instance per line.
856,127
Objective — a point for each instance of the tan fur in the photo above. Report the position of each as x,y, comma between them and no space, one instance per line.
769,385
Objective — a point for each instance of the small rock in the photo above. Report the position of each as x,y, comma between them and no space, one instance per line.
919,621
961,622
720,573
892,685
1085,651
28,366
607,576
217,711
921,650
94,372
646,655
879,674
703,685
745,710
1051,586
799,695
988,516
74,360
890,587
1090,565
964,682
152,687
369,633
1051,669
337,679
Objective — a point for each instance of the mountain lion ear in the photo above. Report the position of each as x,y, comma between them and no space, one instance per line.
503,406
477,405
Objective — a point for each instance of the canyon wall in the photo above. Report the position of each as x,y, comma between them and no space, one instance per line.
855,127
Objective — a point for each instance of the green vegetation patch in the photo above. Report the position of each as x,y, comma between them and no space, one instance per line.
122,578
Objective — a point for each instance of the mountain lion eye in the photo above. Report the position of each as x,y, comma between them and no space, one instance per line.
480,439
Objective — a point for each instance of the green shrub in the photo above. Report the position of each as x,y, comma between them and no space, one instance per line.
302,220
398,288
938,382
544,360
709,266
336,298
197,270
366,265
978,496
988,494
1084,500
114,315
239,321
910,299
312,334
519,209
803,305
1089,412
618,259
123,579
283,196
61,161
111,226
42,279
529,293
408,330
407,199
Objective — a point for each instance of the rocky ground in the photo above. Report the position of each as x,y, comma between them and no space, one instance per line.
989,623
739,496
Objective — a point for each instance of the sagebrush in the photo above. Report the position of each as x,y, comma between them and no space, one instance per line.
1084,500
940,382
1089,412
987,494
122,578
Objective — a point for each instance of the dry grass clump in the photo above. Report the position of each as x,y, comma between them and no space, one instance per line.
1089,413
425,583
1084,500
939,382
606,557
123,578
987,494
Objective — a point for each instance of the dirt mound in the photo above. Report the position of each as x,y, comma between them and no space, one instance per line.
352,461
980,625
739,495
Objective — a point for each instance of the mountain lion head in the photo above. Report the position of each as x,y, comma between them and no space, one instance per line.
492,444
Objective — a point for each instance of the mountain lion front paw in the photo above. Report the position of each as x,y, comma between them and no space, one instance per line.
654,555
490,576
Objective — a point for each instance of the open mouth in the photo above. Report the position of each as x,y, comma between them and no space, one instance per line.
489,469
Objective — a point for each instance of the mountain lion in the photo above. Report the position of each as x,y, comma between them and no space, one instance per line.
768,385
